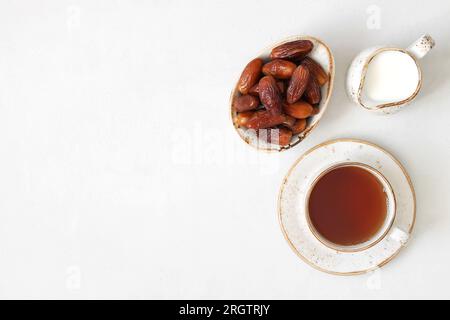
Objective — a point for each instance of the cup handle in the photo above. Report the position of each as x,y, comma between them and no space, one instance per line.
400,236
421,46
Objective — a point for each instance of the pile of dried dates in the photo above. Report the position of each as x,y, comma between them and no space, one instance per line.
281,93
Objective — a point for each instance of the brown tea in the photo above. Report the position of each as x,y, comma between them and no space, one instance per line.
347,205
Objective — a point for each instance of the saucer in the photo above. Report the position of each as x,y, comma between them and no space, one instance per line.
292,205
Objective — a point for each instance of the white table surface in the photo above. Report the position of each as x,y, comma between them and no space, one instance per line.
121,175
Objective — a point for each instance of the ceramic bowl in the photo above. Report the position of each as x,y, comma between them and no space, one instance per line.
321,54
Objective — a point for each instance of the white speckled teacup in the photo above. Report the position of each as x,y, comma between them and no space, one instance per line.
357,73
390,209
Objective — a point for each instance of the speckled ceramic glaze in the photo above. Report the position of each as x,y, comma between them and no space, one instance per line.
293,217
357,72
321,54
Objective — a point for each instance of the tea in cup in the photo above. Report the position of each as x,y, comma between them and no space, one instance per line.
350,207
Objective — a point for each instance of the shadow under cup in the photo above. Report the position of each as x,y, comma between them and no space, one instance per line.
350,207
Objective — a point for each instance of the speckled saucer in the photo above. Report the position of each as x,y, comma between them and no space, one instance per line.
292,205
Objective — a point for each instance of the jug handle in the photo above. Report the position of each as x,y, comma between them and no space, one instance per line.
421,46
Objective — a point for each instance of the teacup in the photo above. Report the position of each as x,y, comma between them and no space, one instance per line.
386,225
373,76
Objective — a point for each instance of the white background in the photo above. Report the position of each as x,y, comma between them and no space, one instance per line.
121,175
